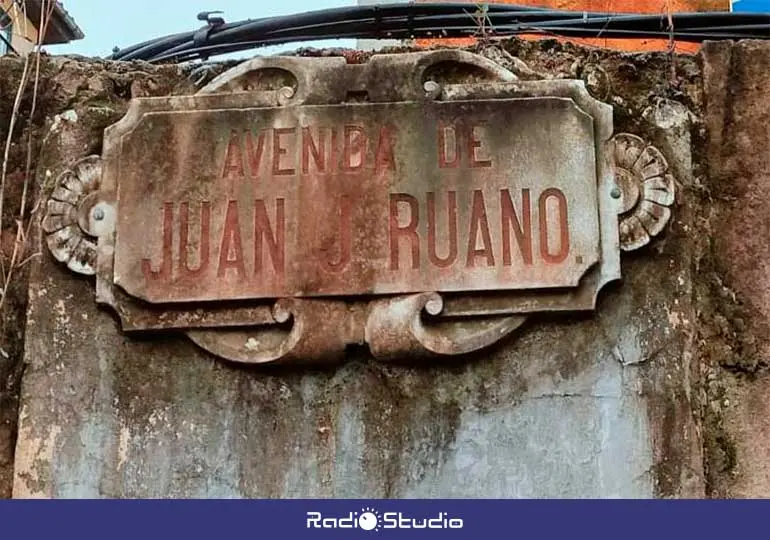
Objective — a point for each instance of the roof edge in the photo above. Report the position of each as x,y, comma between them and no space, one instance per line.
61,29
75,30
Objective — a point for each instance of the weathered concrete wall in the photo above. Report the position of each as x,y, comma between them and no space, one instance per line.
737,91
63,86
626,402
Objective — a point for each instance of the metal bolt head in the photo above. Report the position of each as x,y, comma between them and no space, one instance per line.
616,193
98,214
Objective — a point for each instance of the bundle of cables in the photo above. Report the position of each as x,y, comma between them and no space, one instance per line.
440,20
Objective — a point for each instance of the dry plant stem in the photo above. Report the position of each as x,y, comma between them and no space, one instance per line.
6,155
21,237
671,42
28,168
484,28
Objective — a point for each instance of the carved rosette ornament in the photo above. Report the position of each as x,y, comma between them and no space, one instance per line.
646,190
296,206
67,225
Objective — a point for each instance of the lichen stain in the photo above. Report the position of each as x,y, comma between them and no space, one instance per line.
124,438
33,459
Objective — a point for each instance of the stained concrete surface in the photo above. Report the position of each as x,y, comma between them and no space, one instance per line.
563,409
737,116
107,416
596,405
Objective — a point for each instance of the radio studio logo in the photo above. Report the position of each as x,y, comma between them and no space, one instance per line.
369,519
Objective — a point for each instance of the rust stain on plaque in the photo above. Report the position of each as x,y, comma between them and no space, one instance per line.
357,199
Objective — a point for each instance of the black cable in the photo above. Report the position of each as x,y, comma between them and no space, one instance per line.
407,21
627,23
245,27
148,49
213,50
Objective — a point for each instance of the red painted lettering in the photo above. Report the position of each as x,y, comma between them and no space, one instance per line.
409,231
345,234
334,161
164,272
354,146
233,158
231,242
561,203
474,144
480,223
264,234
255,152
443,160
384,158
309,147
522,229
279,151
185,269
449,259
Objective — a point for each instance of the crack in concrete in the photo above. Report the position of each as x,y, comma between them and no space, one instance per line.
570,395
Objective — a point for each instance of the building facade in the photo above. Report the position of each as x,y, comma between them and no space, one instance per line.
20,25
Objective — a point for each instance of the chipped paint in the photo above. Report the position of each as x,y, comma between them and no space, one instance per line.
33,458
124,440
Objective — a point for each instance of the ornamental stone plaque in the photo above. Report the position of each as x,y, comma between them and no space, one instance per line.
299,205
